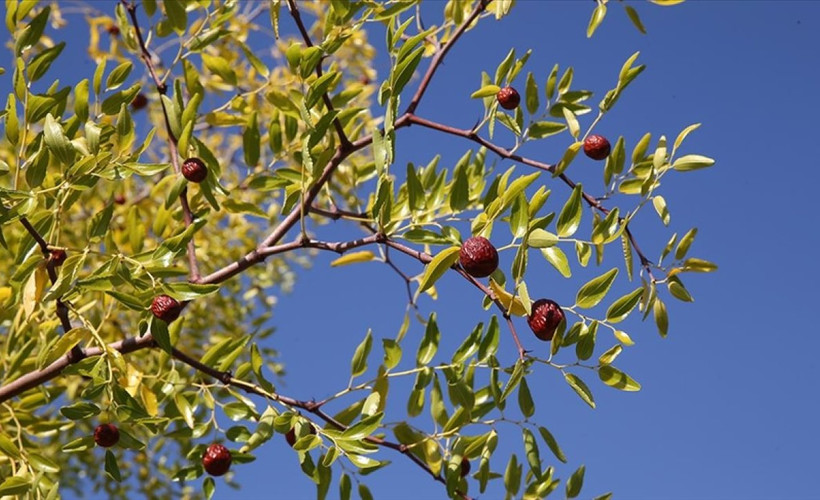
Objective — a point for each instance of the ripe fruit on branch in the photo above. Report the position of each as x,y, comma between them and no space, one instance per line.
478,257
194,170
545,317
508,98
166,308
113,30
139,102
216,460
596,147
291,438
106,435
119,199
465,466
58,256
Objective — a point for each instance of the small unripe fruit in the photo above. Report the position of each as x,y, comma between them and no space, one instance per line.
465,466
596,147
58,256
291,438
545,317
216,460
166,308
194,170
478,257
508,98
139,102
106,435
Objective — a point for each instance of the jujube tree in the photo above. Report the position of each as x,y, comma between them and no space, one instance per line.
148,210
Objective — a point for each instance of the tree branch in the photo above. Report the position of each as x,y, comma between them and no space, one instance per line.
173,152
337,125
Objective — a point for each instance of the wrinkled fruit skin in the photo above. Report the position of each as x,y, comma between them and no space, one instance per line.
194,170
139,102
106,435
290,436
465,466
545,318
478,257
58,257
166,308
216,460
508,98
596,147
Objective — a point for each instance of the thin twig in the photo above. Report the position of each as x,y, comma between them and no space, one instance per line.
173,151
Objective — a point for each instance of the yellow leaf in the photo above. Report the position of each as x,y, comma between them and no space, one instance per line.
149,399
35,286
513,305
353,258
666,3
5,293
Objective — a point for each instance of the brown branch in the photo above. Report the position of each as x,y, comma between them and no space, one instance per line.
39,377
337,125
439,57
76,353
504,153
426,258
162,88
227,378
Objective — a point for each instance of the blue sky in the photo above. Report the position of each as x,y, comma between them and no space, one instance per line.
727,407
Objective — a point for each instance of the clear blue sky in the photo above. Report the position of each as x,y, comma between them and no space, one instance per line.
728,407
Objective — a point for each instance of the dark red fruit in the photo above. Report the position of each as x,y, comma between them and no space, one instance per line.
596,147
291,438
216,460
106,435
508,98
478,257
139,102
58,257
113,30
166,308
119,199
545,318
194,170
465,466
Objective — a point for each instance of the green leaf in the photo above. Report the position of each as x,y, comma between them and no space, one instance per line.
515,378
190,291
219,66
633,16
429,343
437,267
525,402
63,345
56,140
609,356
118,75
532,94
558,259
159,330
596,289
541,129
660,207
597,18
575,482
548,438
692,162
175,10
392,353
570,217
614,377
621,308
8,448
250,141
485,91
14,485
42,62
685,132
685,243
678,291
111,467
185,409
580,388
469,346
538,238
358,364
80,410
608,229
693,264
661,317
512,475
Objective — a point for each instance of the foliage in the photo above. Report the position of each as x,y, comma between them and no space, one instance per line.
295,130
